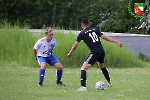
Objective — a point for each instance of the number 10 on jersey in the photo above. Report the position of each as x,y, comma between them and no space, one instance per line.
93,36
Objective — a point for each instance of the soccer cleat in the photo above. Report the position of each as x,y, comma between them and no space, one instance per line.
82,89
40,84
109,84
60,83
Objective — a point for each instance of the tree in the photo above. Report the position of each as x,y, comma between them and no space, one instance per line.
107,15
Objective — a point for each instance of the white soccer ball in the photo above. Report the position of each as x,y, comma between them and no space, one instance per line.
100,85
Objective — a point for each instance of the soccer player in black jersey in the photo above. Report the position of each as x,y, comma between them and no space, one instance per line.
91,38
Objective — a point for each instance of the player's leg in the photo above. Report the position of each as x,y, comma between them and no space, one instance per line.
42,63
84,68
59,73
55,62
105,73
90,60
103,68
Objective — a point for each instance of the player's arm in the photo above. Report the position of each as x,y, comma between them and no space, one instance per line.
73,48
53,47
34,52
36,47
107,38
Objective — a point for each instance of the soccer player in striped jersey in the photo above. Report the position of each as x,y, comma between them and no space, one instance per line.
43,54
91,38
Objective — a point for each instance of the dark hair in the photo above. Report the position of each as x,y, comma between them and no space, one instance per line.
85,21
48,30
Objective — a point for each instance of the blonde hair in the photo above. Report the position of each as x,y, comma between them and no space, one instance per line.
48,30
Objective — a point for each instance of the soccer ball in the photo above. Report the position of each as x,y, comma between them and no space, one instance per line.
100,85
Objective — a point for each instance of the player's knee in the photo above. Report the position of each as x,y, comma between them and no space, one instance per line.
58,66
43,65
84,68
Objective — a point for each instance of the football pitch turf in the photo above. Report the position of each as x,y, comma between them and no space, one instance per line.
21,83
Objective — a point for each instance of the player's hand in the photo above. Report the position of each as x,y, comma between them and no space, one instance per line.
35,58
69,55
120,44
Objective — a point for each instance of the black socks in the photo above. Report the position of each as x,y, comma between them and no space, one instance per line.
83,78
106,74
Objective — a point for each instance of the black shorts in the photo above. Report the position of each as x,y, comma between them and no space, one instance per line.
93,57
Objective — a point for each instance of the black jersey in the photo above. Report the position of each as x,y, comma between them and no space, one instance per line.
91,38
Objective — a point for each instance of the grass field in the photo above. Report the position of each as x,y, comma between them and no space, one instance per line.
20,83
130,74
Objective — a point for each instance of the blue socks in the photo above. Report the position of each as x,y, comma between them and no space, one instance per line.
41,76
59,75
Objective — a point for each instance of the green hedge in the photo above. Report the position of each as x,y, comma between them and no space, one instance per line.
16,50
